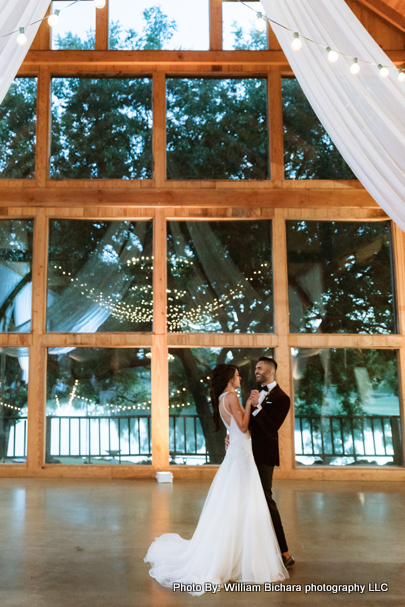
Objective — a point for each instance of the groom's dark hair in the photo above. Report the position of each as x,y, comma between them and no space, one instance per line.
269,361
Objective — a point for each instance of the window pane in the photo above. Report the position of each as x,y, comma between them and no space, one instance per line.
347,407
99,276
217,129
98,406
76,27
15,275
340,277
220,277
101,128
13,405
18,116
308,150
239,26
147,24
192,439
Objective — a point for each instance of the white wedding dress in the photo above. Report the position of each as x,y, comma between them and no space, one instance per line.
234,539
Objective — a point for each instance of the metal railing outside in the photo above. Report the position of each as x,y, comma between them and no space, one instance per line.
341,436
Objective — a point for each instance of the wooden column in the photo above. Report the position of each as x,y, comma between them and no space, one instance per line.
159,128
281,321
160,371
399,274
102,28
215,25
275,112
37,360
43,134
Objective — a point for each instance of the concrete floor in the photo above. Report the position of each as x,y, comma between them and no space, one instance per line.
81,543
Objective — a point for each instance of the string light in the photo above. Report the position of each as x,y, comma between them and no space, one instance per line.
54,18
384,71
99,3
401,75
22,38
332,55
296,44
355,68
260,23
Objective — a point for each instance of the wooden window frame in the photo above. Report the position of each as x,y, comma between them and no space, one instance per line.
163,200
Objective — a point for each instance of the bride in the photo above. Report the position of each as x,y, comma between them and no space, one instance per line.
234,539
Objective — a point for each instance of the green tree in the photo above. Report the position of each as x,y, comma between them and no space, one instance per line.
309,152
17,130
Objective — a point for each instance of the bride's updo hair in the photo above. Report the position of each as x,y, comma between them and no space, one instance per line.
221,375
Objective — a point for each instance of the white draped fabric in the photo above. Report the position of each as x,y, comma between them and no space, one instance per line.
15,14
363,113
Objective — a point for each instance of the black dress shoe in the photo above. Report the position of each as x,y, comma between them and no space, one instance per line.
288,562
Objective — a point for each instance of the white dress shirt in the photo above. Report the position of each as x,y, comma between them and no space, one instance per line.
262,396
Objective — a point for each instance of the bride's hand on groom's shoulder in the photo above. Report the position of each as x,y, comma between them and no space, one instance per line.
226,442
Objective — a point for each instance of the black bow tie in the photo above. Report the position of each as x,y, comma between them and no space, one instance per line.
265,388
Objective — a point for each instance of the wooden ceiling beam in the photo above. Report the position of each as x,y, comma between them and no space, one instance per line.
382,9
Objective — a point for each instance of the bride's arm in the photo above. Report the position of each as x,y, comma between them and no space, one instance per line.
241,416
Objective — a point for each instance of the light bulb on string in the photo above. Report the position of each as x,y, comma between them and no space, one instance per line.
332,55
260,23
54,18
99,3
401,75
296,44
22,38
355,68
384,71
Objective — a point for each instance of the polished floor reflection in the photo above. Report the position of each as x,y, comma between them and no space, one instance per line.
81,543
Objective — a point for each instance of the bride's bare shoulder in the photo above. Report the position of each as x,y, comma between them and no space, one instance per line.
232,399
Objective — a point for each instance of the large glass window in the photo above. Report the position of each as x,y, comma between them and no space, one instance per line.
15,275
346,407
147,24
13,405
101,128
99,276
239,30
309,152
76,26
192,439
18,115
220,277
98,406
340,277
217,129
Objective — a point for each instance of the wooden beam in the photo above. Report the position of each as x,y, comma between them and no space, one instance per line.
37,353
275,113
160,371
215,25
59,59
222,340
102,23
159,128
282,329
341,340
43,147
97,340
191,62
103,196
381,8
399,273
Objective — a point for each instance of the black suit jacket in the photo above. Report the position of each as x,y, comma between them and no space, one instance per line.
264,427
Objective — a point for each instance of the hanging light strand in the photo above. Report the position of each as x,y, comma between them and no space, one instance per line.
52,21
333,54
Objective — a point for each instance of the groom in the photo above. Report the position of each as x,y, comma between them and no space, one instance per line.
272,405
